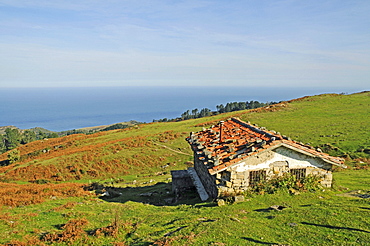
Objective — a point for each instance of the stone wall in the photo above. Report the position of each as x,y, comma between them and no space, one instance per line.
237,182
236,179
181,181
208,181
231,182
326,176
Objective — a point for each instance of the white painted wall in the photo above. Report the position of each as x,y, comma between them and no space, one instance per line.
293,158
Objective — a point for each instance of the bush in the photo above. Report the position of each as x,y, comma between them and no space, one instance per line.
14,156
289,183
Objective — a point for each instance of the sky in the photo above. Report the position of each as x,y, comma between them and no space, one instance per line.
85,43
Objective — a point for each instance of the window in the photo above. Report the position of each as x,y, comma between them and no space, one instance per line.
299,173
226,176
256,176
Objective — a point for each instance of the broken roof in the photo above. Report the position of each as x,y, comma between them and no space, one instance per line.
231,141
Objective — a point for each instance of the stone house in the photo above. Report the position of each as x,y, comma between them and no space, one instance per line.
234,155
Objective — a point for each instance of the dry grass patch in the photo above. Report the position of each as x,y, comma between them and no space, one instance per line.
15,195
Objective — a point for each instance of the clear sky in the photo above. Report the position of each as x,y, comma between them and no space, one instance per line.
53,43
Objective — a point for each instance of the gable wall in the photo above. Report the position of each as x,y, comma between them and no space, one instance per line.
292,158
275,163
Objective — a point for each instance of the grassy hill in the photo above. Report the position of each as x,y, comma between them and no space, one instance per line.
42,195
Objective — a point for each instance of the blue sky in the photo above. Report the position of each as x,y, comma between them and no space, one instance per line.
284,43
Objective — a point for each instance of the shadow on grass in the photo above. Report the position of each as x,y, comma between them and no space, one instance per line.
272,208
257,241
159,194
306,205
263,210
335,227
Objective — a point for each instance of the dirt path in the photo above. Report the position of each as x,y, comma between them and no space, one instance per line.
173,150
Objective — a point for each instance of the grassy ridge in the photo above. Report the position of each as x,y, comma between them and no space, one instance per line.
336,123
340,121
139,160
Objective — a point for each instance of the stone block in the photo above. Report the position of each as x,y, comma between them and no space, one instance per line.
329,176
239,176
228,184
230,191
220,202
239,198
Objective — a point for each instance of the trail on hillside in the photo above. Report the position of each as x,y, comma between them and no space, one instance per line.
173,150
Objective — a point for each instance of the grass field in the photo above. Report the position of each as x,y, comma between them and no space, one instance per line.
339,122
134,165
332,217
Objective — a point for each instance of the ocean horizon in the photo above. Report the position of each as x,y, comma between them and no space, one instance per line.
59,109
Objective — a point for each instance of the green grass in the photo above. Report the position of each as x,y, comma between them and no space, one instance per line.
336,216
319,218
339,121
336,123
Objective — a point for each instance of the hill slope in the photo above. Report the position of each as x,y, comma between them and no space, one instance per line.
336,123
142,211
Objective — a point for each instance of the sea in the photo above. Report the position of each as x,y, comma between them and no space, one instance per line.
60,109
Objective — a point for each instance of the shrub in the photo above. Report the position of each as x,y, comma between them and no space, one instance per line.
14,156
72,231
289,183
26,194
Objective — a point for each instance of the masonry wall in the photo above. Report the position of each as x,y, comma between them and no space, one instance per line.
181,181
208,181
273,163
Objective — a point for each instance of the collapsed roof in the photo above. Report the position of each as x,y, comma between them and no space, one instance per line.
232,141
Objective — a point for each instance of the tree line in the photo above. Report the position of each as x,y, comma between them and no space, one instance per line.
229,107
13,138
236,106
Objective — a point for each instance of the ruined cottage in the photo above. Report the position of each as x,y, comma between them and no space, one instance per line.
234,155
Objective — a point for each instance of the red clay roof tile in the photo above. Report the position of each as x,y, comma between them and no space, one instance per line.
233,140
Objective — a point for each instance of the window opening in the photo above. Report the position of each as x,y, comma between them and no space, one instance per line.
299,173
256,176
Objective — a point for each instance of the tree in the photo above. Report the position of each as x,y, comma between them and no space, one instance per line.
241,106
12,138
194,113
28,136
55,135
14,156
228,107
115,126
185,115
220,108
204,112
2,144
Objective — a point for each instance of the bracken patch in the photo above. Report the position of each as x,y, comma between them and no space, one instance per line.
27,241
108,231
15,195
168,241
72,231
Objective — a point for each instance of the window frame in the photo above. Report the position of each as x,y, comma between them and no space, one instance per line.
257,176
299,173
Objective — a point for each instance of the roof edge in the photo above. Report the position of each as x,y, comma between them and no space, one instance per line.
281,143
312,155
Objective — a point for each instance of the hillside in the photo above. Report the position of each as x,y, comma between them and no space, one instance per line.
2,128
68,132
335,123
137,161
